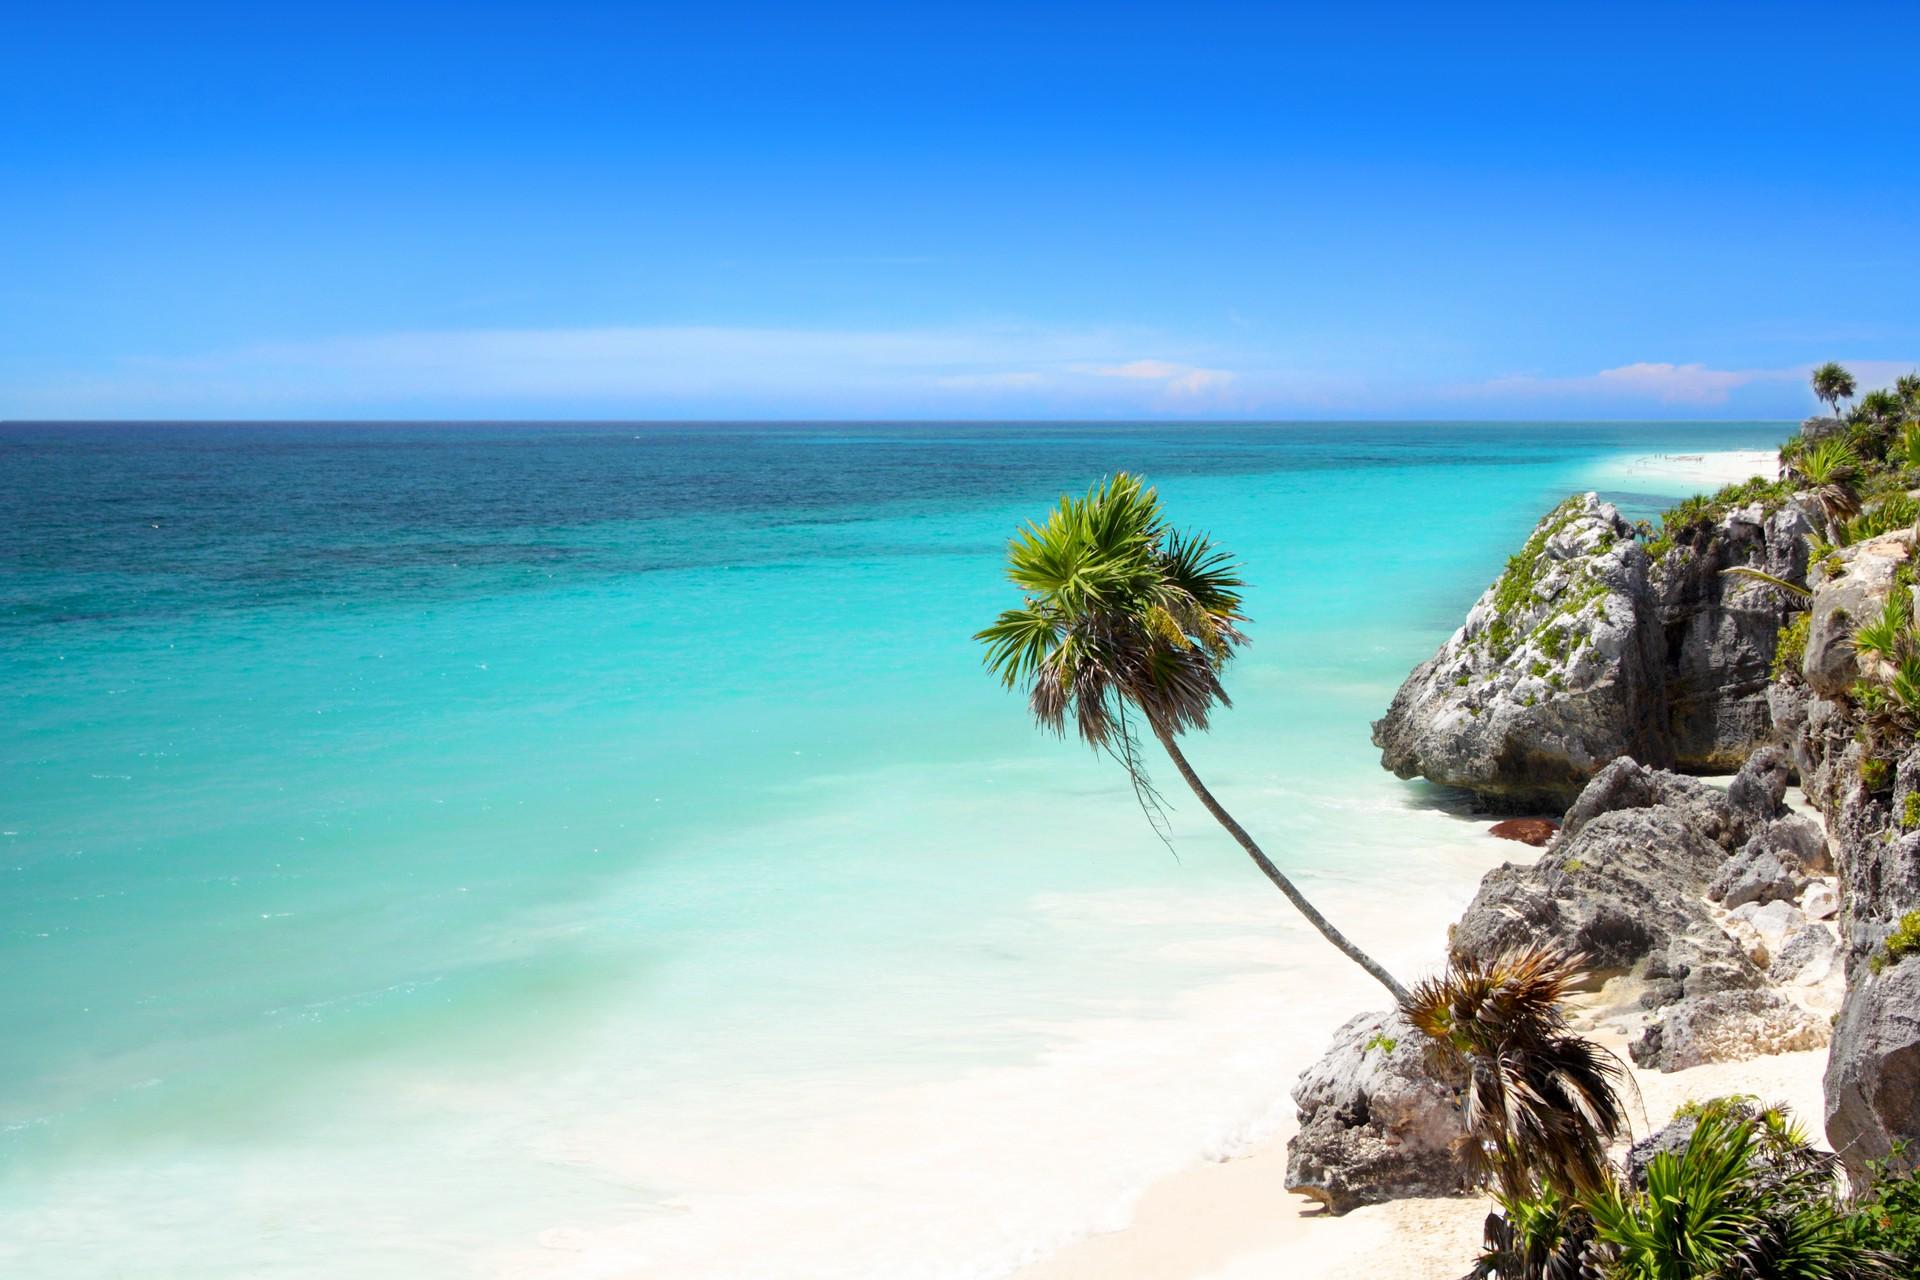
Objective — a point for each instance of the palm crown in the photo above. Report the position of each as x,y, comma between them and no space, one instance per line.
1832,384
1120,610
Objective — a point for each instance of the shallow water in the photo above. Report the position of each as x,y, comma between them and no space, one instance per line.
595,850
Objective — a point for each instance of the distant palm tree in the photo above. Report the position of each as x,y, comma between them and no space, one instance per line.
1907,387
1828,468
1832,384
1541,1107
1125,615
1880,407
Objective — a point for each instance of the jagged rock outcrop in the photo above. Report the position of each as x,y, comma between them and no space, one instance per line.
1623,882
1719,633
1873,1068
1727,1026
1844,596
1584,650
1375,1123
1873,1071
1626,884
1554,674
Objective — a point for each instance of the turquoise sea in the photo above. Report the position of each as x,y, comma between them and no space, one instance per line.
595,850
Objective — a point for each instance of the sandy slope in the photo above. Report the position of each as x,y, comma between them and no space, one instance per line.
1235,1221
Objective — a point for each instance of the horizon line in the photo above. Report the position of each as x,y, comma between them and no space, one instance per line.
889,421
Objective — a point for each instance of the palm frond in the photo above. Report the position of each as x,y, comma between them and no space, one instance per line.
1747,572
1887,636
1541,1103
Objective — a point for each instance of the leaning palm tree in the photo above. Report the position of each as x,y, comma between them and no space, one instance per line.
1125,616
1828,467
1541,1106
1832,384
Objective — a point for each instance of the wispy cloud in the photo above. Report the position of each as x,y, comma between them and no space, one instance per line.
988,370
1645,382
644,370
1173,378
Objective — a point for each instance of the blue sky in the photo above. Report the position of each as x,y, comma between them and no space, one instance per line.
724,210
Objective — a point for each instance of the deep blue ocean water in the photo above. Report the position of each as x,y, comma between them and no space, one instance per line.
543,848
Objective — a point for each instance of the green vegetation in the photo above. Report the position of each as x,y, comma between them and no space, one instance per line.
1381,1041
1830,470
1541,1105
1730,1204
1747,1197
1125,618
1910,811
1901,943
1886,634
1886,1220
1790,648
1895,511
1832,384
1514,590
1876,773
1680,522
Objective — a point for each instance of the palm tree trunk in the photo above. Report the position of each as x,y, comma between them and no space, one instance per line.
1273,873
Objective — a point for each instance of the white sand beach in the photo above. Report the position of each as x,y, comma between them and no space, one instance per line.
1233,1219
1708,471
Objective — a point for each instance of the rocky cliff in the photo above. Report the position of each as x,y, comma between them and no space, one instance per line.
1596,665
1588,648
1859,763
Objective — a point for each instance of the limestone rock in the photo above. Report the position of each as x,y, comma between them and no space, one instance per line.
1727,1026
1873,1071
1810,961
1757,794
1772,922
1375,1124
1718,633
1843,600
1554,673
1820,902
1622,883
1756,874
1800,844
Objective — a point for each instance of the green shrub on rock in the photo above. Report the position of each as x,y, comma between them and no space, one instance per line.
1790,647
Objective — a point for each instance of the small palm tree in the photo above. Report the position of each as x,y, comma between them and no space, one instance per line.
1907,447
1832,384
1879,407
1743,1198
1887,636
1828,467
1541,1106
1907,388
1123,616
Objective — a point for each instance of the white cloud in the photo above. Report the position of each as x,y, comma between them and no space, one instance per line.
1195,382
1157,370
1644,382
1180,380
